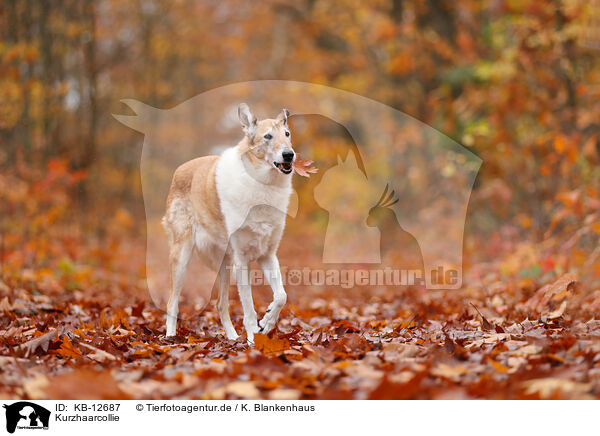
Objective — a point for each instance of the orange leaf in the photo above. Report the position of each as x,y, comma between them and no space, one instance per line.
67,349
497,365
83,384
270,345
303,167
560,143
143,353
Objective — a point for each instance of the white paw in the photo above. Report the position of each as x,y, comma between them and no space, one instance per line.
267,323
253,328
171,327
232,336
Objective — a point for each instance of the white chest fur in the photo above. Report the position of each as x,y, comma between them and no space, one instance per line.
253,211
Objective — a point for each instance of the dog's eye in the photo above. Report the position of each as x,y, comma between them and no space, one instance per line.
268,136
287,133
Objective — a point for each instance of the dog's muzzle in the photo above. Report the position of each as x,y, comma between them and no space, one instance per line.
288,157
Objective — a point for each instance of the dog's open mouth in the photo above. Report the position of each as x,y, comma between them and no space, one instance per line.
284,167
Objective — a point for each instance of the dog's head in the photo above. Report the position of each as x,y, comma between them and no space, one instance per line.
269,140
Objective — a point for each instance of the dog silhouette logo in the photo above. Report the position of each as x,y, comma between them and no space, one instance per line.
26,415
416,224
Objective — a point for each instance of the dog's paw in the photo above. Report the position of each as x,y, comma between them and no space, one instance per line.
171,330
232,336
252,329
267,324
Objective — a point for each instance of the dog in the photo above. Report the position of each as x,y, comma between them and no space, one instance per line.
232,209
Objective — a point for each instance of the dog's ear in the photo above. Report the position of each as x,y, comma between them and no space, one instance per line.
283,116
247,119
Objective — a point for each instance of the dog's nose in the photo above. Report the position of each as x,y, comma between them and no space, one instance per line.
288,155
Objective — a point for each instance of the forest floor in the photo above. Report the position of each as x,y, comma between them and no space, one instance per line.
92,333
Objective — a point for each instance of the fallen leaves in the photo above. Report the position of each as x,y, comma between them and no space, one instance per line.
84,384
452,372
552,294
270,345
558,312
527,350
242,389
67,349
557,388
42,341
97,354
404,345
486,323
389,389
497,365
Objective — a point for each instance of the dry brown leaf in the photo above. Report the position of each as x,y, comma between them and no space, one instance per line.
527,350
36,387
98,354
243,389
269,345
284,394
42,342
552,387
485,322
303,167
556,291
5,305
448,371
67,349
498,366
83,384
558,312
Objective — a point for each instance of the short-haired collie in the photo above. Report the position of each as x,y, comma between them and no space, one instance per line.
232,209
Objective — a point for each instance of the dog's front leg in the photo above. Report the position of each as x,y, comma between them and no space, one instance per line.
272,272
242,273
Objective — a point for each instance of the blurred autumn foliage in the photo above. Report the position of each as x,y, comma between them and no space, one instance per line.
517,82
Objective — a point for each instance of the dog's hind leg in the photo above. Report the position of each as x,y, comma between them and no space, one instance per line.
242,274
270,266
179,257
223,301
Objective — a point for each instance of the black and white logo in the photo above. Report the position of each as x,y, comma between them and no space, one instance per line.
26,415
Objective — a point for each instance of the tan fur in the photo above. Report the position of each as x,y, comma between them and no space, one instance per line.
192,198
195,181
